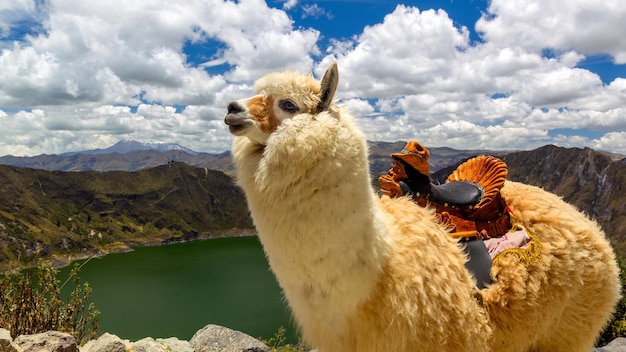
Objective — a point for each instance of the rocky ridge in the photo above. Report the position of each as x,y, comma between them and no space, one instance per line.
211,338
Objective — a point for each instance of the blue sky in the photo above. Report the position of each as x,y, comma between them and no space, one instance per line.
501,74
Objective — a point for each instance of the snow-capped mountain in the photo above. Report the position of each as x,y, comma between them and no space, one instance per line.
126,146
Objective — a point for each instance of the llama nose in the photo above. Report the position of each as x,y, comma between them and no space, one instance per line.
234,107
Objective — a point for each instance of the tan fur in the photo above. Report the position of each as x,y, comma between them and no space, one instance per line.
262,110
302,88
567,296
363,273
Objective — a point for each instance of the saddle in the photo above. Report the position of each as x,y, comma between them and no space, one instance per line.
469,203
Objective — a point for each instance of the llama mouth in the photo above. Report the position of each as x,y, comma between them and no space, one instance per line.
237,129
237,124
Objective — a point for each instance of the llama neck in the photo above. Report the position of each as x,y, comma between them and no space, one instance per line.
317,217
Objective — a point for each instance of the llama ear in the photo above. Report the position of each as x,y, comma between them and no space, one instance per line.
328,87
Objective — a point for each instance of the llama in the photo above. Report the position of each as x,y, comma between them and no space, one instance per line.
367,273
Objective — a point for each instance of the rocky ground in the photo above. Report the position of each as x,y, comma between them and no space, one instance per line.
211,338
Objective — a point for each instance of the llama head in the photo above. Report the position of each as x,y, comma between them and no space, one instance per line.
280,96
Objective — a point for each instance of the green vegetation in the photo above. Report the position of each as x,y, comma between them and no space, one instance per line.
617,326
63,216
31,302
278,343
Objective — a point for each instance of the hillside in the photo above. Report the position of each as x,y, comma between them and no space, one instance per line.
63,215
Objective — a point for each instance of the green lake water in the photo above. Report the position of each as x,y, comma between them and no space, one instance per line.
177,289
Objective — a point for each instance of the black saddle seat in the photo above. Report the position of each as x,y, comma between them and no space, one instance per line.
459,193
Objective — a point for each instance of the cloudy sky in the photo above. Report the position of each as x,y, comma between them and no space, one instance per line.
499,74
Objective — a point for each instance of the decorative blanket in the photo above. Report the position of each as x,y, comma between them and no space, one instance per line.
516,238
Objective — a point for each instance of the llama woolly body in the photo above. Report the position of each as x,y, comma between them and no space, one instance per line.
314,171
364,273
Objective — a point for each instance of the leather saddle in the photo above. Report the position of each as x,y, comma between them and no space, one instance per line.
458,193
469,203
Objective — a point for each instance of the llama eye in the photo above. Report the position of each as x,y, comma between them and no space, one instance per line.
288,106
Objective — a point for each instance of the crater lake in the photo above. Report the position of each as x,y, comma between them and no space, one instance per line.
175,290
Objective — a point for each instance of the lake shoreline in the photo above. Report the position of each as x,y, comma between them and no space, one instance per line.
60,260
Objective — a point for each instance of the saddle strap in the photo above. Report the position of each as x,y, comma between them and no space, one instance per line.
497,223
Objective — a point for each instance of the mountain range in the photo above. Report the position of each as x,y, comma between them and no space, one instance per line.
128,155
135,194
128,145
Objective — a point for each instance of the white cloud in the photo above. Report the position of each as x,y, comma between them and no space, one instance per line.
315,11
287,50
259,39
14,12
396,57
358,107
74,80
465,135
290,4
92,50
588,27
73,129
431,84
611,141
95,59
557,86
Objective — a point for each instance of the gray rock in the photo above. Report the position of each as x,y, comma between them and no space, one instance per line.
617,345
171,344
6,341
148,344
50,341
176,345
215,338
105,343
